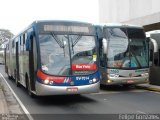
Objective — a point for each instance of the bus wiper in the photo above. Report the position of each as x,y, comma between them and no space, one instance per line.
75,42
57,40
72,45
77,39
62,45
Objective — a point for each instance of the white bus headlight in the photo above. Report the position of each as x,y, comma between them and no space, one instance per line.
145,75
46,81
94,80
109,81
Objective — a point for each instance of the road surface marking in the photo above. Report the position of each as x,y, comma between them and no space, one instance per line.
103,92
155,92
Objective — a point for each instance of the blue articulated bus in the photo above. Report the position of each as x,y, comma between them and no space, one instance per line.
124,54
54,58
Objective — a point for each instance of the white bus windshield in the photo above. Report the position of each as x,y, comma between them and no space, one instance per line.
127,48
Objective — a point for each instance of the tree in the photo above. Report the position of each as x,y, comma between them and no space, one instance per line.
5,35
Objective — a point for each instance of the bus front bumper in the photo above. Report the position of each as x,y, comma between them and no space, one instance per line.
126,80
43,90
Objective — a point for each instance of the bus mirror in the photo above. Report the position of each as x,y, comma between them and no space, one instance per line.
104,43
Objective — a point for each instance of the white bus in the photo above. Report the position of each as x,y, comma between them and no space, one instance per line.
123,54
154,76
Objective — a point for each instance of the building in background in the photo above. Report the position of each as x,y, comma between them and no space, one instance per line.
140,12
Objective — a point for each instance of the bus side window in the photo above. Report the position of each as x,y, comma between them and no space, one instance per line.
13,47
20,39
21,43
24,39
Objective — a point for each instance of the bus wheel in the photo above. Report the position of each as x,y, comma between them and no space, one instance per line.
16,79
29,89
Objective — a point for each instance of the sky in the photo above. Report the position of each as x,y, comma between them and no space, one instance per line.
15,15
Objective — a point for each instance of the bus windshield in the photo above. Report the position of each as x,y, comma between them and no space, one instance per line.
127,48
67,54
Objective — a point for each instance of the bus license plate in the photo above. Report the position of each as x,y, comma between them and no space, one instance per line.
130,81
72,89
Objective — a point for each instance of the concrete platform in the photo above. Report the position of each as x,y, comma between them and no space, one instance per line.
10,109
3,103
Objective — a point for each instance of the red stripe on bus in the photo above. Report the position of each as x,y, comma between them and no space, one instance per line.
44,76
84,66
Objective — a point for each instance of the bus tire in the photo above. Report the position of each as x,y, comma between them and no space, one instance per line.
29,88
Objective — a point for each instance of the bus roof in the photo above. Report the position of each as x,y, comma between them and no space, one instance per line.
119,25
148,34
60,21
64,22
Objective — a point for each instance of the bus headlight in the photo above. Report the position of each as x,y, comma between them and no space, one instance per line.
94,80
113,75
109,81
145,75
46,81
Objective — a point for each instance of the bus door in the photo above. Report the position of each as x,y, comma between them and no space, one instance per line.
21,61
32,62
17,61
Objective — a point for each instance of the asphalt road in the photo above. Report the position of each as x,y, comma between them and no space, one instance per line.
109,104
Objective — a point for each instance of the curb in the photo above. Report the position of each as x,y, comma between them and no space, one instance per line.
14,105
3,103
149,87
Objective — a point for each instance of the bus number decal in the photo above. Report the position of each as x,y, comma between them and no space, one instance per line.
114,71
82,78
